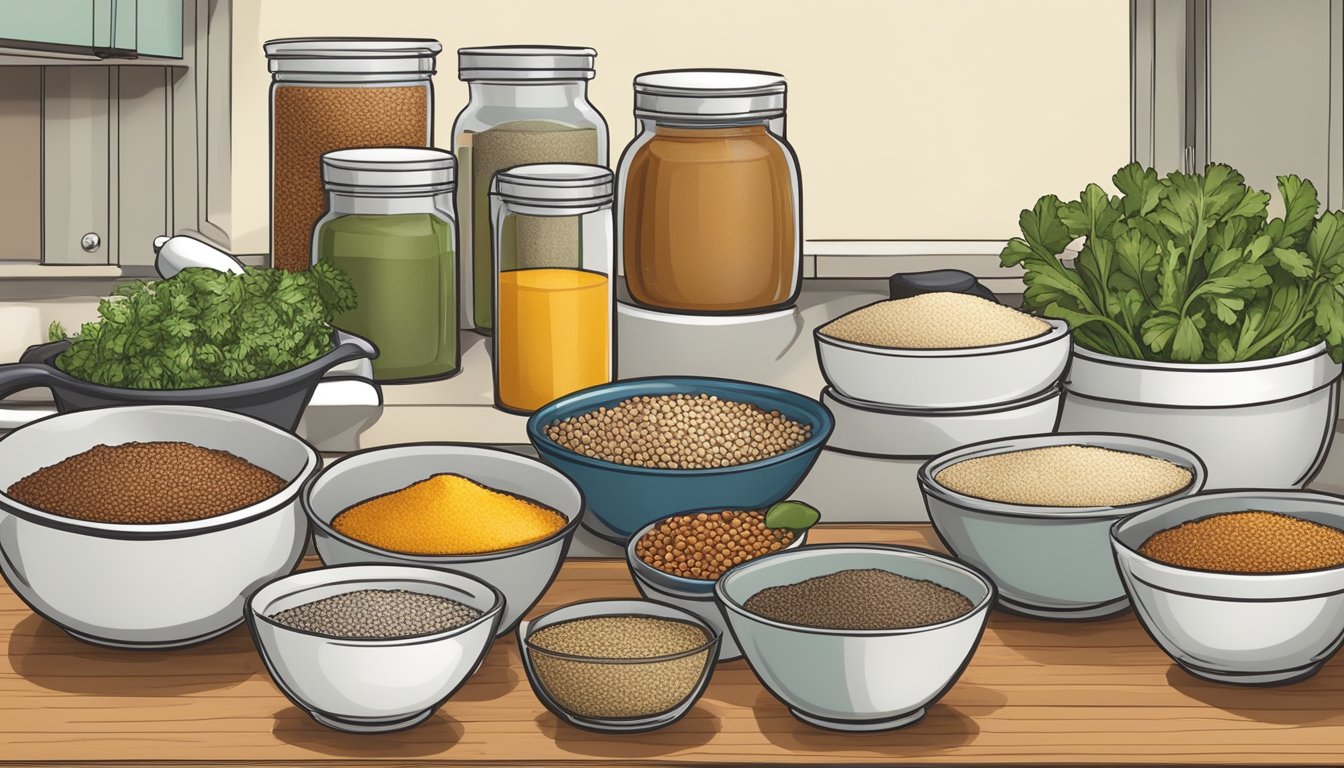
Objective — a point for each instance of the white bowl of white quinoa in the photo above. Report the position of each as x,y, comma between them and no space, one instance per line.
1035,512
941,350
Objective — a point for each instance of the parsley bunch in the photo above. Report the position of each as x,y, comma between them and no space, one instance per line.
1188,268
203,328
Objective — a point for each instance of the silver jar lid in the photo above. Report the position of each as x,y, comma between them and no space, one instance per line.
554,185
390,170
352,55
525,62
709,95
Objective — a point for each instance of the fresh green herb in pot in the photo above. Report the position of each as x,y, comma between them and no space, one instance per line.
203,328
1187,268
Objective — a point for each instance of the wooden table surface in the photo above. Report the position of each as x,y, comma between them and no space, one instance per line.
1035,692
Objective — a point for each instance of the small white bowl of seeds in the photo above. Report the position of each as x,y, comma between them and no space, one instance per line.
1035,512
373,648
941,350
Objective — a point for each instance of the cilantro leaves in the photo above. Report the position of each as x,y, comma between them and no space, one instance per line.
1187,267
202,328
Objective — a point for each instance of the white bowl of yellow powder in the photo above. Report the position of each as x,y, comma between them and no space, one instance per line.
1035,512
503,518
941,350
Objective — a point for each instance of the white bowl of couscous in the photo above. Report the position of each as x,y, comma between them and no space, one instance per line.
941,350
1035,512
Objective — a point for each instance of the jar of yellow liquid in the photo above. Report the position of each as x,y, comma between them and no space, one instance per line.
552,230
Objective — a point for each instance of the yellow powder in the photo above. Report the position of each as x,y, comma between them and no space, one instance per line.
448,514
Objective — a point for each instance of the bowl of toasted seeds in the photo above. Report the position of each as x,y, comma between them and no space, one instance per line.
373,648
676,560
1034,512
645,449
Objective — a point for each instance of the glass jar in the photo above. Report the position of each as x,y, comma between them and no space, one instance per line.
528,104
710,195
336,93
553,292
390,225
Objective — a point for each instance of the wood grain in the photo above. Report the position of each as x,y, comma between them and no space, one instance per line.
1035,693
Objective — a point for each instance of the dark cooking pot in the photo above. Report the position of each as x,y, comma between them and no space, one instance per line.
277,400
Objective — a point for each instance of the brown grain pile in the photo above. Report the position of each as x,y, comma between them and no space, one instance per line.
679,432
1065,476
1248,542
706,544
935,321
860,599
311,121
146,483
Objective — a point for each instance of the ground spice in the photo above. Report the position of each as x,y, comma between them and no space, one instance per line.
705,545
378,614
935,321
679,432
146,483
1248,542
1066,476
309,121
622,689
860,599
709,220
448,514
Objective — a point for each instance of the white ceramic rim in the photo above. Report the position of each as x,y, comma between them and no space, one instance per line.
833,398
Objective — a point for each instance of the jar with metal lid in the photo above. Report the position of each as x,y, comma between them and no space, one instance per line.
390,225
337,93
528,104
553,294
710,195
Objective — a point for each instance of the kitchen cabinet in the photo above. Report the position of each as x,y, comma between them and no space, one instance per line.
96,28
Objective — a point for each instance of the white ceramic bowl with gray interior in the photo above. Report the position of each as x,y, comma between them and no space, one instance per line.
366,685
1048,562
855,680
1250,629
871,429
945,378
521,573
160,585
692,595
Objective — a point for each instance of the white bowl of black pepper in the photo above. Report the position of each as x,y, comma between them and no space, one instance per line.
146,527
373,648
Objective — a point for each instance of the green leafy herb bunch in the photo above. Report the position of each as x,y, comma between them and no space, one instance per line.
1187,267
203,328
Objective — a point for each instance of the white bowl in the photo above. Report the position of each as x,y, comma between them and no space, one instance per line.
150,586
1252,629
945,378
691,595
363,685
1048,562
521,573
855,680
879,431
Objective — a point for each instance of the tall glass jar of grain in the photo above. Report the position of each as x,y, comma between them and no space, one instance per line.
390,226
553,295
337,93
528,104
710,195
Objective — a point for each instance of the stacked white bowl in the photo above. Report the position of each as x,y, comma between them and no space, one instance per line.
897,408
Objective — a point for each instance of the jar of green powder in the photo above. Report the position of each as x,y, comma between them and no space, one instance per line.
390,224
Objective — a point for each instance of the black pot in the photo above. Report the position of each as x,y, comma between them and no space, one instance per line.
277,400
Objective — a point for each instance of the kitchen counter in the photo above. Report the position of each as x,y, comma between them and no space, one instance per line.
1035,693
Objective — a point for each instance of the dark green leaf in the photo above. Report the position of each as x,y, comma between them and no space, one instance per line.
792,514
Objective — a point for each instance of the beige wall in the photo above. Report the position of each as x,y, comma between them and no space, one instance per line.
912,119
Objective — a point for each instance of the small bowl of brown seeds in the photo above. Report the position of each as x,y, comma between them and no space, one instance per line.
645,449
676,560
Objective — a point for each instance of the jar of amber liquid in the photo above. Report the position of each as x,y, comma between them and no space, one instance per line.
553,296
709,195
338,93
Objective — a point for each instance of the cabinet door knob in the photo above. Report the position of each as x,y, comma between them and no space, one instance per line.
90,241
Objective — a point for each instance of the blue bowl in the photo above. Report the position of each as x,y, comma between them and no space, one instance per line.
625,499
